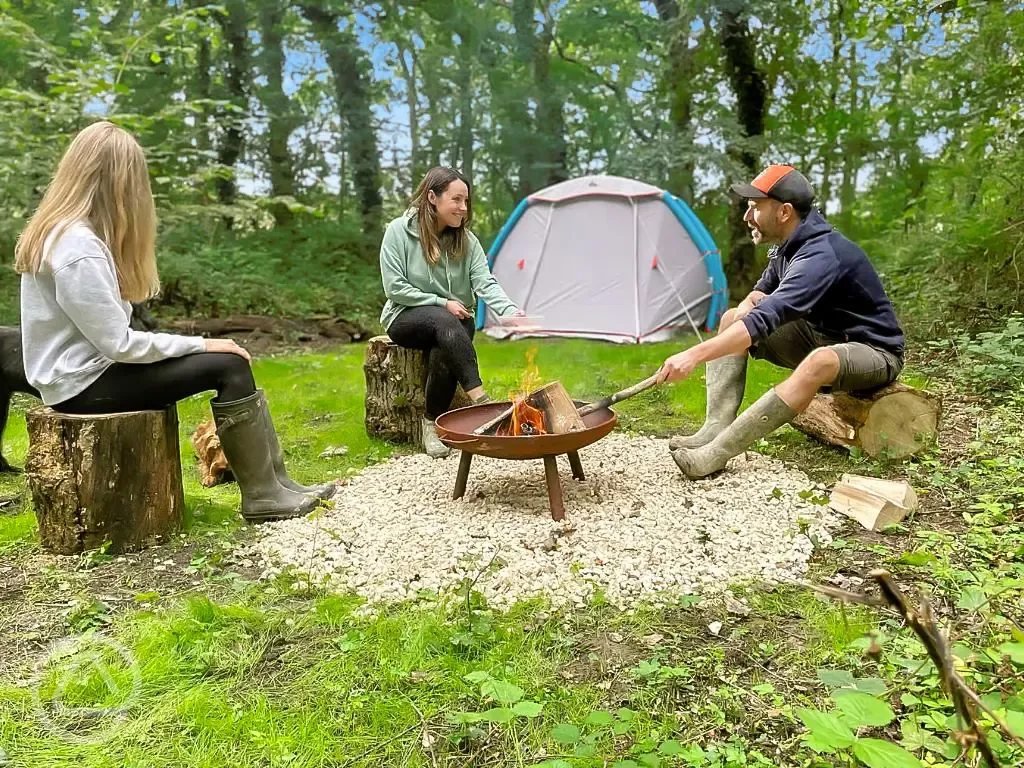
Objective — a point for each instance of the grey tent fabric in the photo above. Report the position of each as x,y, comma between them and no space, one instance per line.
602,257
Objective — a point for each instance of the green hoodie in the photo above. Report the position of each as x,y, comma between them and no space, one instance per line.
411,281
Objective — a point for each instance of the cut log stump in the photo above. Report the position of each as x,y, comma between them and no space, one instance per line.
897,419
395,381
113,478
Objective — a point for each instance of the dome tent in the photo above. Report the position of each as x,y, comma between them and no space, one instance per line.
607,257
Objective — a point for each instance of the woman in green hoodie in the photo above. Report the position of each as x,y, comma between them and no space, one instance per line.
433,268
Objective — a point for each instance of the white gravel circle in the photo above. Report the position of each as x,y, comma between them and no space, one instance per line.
635,528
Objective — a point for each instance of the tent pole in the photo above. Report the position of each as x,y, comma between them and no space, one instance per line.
636,267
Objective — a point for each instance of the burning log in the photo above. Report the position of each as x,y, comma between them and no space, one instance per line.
548,410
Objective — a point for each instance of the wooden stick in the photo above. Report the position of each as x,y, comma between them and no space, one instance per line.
605,402
489,425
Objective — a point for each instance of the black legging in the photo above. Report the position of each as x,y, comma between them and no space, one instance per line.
154,386
448,342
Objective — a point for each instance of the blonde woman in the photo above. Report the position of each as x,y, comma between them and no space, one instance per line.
87,252
433,268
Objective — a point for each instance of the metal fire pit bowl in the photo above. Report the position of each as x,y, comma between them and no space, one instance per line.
455,429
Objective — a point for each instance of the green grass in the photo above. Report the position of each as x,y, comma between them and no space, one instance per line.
274,677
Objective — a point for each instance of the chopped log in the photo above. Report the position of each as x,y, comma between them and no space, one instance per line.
213,464
897,419
871,501
395,399
552,400
113,478
559,410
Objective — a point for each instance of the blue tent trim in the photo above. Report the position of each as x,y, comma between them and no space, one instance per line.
693,226
499,241
709,251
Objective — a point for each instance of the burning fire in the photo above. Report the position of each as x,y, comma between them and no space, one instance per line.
525,420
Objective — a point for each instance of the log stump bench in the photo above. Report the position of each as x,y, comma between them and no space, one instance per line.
113,478
897,420
395,378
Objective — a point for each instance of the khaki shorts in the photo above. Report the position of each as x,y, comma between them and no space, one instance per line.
862,367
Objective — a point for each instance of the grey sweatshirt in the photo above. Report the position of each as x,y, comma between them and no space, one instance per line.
74,324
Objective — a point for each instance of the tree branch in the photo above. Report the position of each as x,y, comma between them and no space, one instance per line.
615,88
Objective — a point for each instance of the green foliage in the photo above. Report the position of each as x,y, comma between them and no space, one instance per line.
990,360
322,269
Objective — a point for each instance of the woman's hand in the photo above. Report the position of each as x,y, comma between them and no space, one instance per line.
519,313
457,309
228,346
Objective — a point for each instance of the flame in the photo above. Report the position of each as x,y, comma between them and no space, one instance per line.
530,378
525,420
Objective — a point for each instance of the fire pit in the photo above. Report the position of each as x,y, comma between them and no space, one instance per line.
455,429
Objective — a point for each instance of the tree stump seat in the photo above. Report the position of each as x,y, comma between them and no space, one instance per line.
109,478
395,400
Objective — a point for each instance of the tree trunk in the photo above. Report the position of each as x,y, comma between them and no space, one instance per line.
352,92
851,147
467,49
522,139
236,36
748,84
831,133
897,420
202,77
279,120
680,84
412,102
113,478
431,89
395,382
550,118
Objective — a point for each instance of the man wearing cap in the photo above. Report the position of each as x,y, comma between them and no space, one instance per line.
818,309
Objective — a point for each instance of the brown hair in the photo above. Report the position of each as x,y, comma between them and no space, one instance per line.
452,239
102,180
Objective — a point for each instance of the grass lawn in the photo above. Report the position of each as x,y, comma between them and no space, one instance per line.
233,671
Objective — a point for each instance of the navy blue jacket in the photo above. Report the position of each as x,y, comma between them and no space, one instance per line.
826,279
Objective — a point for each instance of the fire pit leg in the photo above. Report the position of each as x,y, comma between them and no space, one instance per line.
554,488
577,467
463,476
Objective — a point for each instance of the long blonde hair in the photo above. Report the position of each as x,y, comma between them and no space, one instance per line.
102,180
453,239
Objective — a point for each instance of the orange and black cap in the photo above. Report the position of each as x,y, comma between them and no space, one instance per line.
779,182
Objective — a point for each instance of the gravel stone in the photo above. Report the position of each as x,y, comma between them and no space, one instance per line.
635,529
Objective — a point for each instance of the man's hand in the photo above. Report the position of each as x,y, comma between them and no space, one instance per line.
752,300
457,309
679,366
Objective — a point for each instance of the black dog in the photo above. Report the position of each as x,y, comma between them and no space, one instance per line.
12,369
12,379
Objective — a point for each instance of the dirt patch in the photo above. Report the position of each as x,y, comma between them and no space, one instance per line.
45,597
601,654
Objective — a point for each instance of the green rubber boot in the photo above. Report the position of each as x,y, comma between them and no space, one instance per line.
765,416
